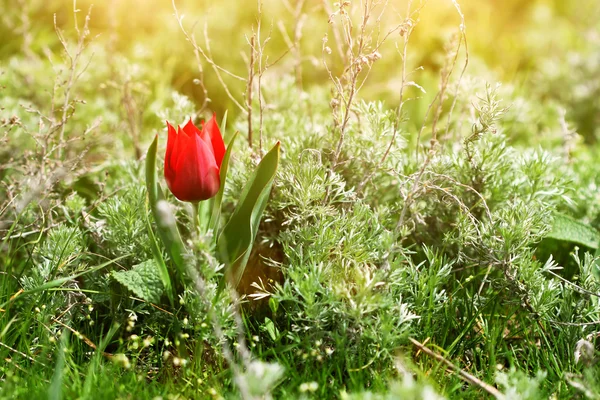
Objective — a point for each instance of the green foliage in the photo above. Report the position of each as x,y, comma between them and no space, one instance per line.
517,385
407,389
143,280
569,229
122,226
465,242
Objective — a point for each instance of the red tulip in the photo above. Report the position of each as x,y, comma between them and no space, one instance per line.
193,161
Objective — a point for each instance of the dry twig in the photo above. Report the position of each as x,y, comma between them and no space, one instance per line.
473,380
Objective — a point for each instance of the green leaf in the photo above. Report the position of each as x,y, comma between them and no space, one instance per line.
87,188
223,126
596,266
166,227
95,365
216,211
151,179
163,271
568,229
143,280
55,390
236,240
271,329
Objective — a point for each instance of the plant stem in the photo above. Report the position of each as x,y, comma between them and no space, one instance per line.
195,215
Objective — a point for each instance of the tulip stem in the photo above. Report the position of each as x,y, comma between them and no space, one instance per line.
195,215
201,216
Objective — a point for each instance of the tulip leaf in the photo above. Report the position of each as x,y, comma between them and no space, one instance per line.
236,240
216,211
163,271
223,126
167,230
568,229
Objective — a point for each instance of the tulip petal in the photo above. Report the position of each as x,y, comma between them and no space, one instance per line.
174,153
216,139
179,148
190,129
197,171
171,141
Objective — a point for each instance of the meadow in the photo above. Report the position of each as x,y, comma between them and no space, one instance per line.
300,199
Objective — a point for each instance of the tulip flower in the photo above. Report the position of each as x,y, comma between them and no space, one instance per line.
193,161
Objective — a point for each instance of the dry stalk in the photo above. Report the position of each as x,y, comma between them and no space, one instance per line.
33,360
357,62
262,68
299,18
81,336
207,56
464,375
438,103
134,116
249,88
406,29
339,44
39,178
73,74
463,40
257,66
359,55
197,52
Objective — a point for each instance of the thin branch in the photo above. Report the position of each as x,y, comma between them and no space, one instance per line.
574,323
466,64
249,88
579,288
197,52
439,98
207,54
73,65
406,29
464,375
22,354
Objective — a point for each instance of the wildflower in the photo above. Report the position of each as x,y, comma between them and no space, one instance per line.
122,360
584,352
309,387
193,161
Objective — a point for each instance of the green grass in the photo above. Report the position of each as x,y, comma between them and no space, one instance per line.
442,237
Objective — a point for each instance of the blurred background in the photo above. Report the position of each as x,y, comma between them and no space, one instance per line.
546,51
